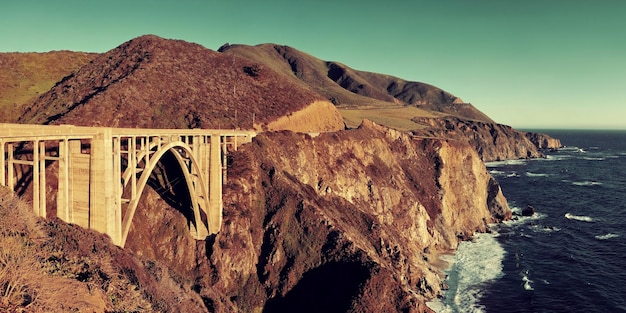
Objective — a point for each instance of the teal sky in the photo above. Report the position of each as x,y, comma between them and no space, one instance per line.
528,64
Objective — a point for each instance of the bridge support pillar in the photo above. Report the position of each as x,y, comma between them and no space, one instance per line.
215,185
103,216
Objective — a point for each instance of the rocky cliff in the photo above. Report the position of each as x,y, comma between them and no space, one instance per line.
334,223
492,141
543,141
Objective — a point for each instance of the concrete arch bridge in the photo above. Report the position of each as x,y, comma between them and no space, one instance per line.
102,171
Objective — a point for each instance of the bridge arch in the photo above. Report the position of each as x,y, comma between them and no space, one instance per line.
198,193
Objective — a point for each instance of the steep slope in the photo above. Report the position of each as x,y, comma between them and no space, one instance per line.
337,222
492,141
349,88
25,76
333,223
50,266
153,82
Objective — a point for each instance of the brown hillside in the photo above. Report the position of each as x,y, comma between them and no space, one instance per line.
154,82
351,89
25,76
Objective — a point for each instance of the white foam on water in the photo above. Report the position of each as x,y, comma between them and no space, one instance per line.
607,236
586,183
594,158
473,264
544,229
506,162
527,282
581,218
555,157
513,174
530,174
496,172
572,149
518,218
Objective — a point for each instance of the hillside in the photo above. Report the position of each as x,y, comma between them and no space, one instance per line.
152,82
25,76
51,266
360,94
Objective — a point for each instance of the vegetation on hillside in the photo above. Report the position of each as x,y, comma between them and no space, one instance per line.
152,82
51,266
25,76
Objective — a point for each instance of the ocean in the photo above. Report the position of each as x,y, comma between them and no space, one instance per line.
567,257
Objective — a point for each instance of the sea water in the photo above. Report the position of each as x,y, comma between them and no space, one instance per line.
570,256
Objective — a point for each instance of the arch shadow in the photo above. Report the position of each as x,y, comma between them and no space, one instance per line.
164,158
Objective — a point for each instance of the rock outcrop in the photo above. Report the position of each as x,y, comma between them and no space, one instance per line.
543,141
493,142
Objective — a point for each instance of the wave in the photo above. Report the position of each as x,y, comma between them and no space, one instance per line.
473,264
586,183
519,219
530,174
607,236
527,281
552,157
581,218
496,172
594,158
572,149
505,162
503,173
544,229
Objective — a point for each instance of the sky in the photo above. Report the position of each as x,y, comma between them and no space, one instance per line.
528,64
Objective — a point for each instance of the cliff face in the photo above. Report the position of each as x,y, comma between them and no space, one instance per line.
543,141
493,142
337,222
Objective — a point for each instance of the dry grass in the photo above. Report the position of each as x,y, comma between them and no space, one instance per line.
51,266
395,117
25,76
